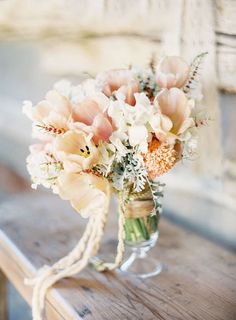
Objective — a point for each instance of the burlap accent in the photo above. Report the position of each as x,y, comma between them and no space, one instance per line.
139,208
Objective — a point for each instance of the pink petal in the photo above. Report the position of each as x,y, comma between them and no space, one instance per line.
172,72
86,111
59,103
102,128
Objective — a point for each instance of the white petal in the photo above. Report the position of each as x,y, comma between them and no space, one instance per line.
137,135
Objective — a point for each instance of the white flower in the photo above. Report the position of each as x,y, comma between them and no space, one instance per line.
107,152
190,146
138,136
43,166
125,116
143,110
132,123
116,112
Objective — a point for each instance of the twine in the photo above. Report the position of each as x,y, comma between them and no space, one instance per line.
139,208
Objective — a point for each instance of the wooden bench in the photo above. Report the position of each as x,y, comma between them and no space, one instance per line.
198,280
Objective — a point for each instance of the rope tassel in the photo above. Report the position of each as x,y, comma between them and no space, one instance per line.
78,258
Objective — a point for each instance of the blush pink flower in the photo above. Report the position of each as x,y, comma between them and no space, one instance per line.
174,104
50,116
91,116
122,81
172,72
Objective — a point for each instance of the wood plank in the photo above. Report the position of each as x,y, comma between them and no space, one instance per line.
17,268
198,281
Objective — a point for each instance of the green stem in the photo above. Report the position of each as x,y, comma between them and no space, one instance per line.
143,227
139,229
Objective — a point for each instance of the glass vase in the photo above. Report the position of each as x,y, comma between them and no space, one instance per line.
141,234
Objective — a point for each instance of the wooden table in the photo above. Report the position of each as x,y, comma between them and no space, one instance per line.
198,280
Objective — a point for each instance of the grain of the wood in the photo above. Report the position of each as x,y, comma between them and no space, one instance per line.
17,268
198,281
3,296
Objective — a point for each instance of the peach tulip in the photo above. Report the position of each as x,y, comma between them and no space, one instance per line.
91,116
50,116
174,104
120,80
172,72
76,150
87,193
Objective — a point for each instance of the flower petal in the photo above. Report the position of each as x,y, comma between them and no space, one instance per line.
101,128
86,192
172,72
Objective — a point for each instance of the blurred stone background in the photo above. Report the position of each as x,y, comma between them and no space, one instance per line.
44,41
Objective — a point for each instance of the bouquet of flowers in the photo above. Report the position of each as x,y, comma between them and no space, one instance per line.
118,132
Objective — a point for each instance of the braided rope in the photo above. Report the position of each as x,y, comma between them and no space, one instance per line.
99,264
121,240
75,254
73,263
41,290
91,249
